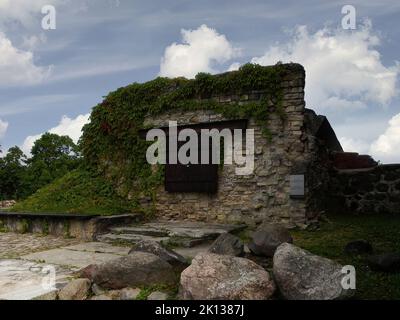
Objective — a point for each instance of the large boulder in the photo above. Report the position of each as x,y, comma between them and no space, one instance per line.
386,262
223,277
136,269
173,258
267,238
227,244
301,275
77,289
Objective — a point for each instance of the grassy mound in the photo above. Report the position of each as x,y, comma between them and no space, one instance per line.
77,192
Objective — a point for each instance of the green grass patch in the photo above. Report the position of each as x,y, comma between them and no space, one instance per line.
77,192
383,232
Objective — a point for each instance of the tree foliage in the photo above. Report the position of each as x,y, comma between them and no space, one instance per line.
53,156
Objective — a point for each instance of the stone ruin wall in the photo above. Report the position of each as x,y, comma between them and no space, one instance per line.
263,195
367,191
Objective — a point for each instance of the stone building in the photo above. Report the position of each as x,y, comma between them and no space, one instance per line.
290,166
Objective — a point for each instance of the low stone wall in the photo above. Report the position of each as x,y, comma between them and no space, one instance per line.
367,191
84,227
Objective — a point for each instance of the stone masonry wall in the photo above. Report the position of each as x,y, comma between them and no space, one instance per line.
264,195
367,191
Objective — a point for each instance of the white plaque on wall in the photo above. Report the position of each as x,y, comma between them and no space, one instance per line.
297,186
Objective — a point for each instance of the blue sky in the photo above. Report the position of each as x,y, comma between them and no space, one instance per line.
50,80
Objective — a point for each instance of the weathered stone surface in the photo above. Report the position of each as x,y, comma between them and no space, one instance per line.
52,295
97,290
358,247
65,257
136,269
101,297
387,262
213,276
173,258
301,275
129,293
77,289
157,295
267,238
227,244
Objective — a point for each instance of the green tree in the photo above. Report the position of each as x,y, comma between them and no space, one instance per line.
12,171
53,156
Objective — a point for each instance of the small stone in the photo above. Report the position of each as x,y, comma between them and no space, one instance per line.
173,258
129,293
157,295
97,290
101,297
228,244
358,247
387,262
267,238
77,289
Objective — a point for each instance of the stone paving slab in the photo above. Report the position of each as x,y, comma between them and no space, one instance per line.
99,247
25,280
65,257
14,245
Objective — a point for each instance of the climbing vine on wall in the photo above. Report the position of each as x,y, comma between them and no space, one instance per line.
111,143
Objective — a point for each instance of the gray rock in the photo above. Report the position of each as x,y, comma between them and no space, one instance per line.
136,269
301,275
77,289
52,295
358,247
173,258
214,277
157,295
97,290
267,238
228,244
129,293
387,262
101,297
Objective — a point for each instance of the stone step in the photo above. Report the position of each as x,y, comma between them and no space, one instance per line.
179,229
126,238
146,231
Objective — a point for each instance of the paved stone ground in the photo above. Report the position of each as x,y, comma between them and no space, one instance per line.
14,245
23,257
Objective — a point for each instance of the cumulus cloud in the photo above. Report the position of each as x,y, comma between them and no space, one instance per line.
344,69
386,147
66,127
200,51
17,67
3,128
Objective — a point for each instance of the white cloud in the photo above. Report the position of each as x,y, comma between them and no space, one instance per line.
17,67
354,145
199,51
343,69
66,127
3,128
386,147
